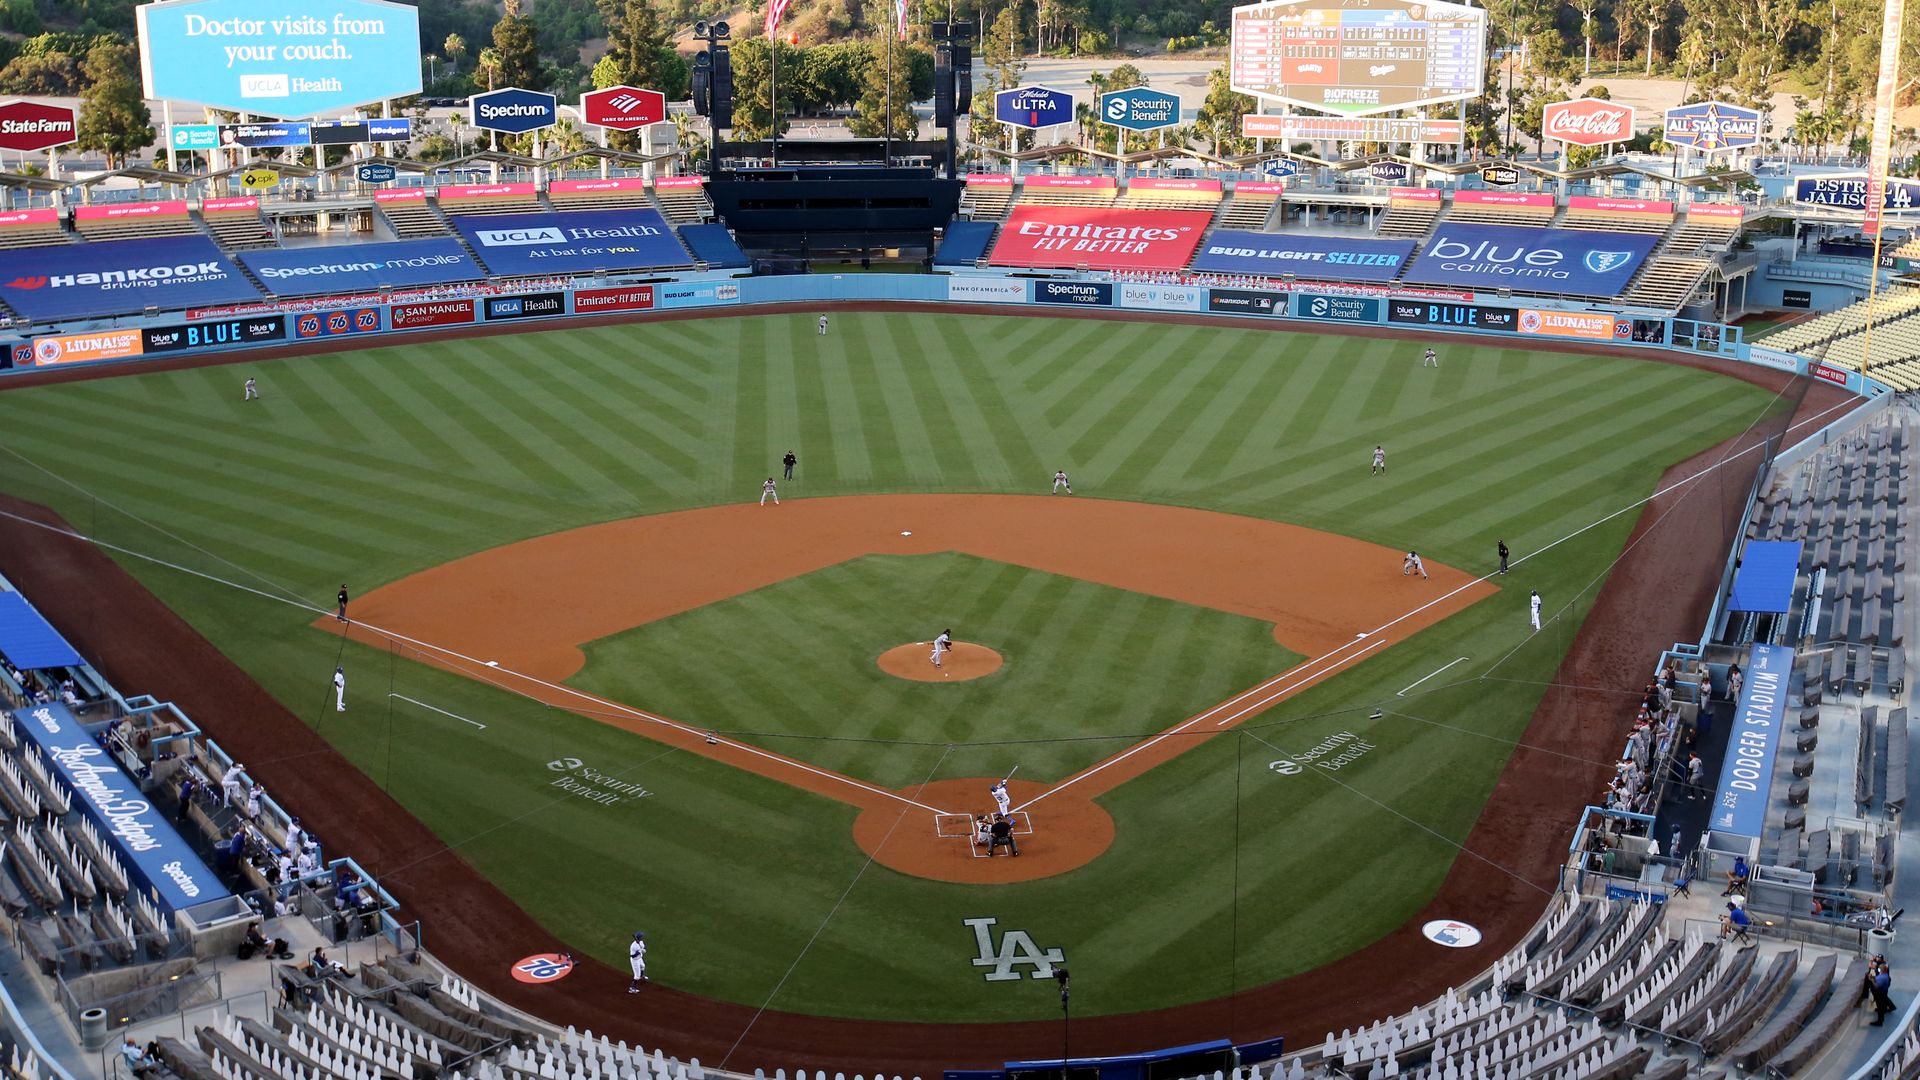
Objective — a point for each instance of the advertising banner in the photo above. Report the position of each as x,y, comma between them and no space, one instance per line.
1033,107
670,183
578,242
1162,297
234,205
530,306
1880,144
615,183
1499,175
989,180
1336,308
1746,777
1848,191
124,211
279,60
1711,127
1232,251
1415,195
433,313
111,277
351,268
82,348
1837,376
1801,299
627,298
690,295
1375,129
1071,182
1103,237
1722,211
1503,198
1149,183
1080,293
1388,170
259,179
1588,122
1463,316
1246,302
455,192
1650,207
1568,262
345,132
1591,325
1257,187
401,195
972,290
40,215
323,324
196,136
513,110
140,833
257,136
209,335
1139,109
376,173
28,126
623,108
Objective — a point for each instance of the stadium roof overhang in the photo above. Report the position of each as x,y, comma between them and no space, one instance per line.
399,164
144,174
602,153
1039,153
489,157
284,168
23,182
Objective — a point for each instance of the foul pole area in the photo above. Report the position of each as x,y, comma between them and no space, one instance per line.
1892,22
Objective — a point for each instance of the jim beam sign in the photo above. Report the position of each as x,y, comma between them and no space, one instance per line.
1588,122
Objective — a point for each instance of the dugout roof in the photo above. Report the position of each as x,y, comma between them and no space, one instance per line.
27,640
1764,581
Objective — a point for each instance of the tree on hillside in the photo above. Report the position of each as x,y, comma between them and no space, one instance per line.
517,50
752,109
639,53
454,49
113,113
1220,113
869,120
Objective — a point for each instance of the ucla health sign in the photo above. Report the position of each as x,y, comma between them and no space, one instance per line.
1033,107
116,277
349,268
1848,191
141,834
1233,251
514,110
277,57
1746,778
1713,126
1567,262
576,243
1139,109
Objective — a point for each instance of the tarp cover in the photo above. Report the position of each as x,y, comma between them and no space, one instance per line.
27,640
1764,581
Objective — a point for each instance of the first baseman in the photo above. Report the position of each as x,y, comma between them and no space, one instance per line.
637,959
1412,565
1533,608
1379,459
768,491
941,644
1060,481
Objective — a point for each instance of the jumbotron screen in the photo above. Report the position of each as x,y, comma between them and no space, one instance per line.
1356,57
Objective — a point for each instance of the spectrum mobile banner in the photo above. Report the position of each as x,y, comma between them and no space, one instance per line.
349,268
1233,251
1101,238
1566,262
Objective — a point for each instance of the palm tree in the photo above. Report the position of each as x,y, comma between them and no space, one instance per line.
487,66
455,122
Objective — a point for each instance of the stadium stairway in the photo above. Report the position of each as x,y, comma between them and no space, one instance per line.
413,220
1666,282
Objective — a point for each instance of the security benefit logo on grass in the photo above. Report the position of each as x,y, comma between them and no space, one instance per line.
579,778
1333,754
1016,949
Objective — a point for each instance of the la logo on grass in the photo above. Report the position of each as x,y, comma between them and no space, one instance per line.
1016,948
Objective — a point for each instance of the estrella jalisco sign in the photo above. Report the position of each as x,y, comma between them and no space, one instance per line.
1033,107
1848,191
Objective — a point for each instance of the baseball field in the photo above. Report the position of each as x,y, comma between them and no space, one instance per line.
1244,743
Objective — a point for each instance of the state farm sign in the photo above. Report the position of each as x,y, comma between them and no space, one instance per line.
29,125
1102,238
623,108
1588,122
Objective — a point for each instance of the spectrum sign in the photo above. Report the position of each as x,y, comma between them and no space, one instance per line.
514,111
1099,237
1566,262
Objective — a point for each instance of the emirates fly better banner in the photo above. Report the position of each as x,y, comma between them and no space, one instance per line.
1099,237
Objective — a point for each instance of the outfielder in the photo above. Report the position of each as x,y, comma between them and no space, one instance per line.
1432,360
1412,565
1379,460
340,689
1060,481
941,644
823,326
1533,608
637,960
767,491
1000,797
253,392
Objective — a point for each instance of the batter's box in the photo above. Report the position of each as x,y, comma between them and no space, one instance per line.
961,827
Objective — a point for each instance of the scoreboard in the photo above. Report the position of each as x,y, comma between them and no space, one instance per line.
1356,57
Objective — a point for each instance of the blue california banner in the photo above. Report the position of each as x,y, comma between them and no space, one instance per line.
1565,262
120,277
141,835
349,268
1337,258
1746,777
576,243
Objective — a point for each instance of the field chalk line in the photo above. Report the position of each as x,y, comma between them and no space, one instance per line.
1431,674
442,712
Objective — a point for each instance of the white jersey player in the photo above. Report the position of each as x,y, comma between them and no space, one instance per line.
637,960
339,689
1432,360
942,643
823,326
1533,608
1000,797
1060,481
1412,565
1379,460
769,491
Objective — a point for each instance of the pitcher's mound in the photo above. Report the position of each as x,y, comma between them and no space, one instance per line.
962,662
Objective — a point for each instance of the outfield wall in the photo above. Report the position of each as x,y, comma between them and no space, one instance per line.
1329,307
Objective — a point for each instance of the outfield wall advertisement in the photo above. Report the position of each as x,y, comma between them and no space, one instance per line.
580,242
1566,262
1232,251
986,290
1163,297
337,269
70,281
1099,237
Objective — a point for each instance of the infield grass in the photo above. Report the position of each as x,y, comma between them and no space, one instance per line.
368,466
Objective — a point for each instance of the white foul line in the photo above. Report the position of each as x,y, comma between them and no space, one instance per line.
442,712
1429,675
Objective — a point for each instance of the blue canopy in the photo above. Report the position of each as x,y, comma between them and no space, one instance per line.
713,245
965,243
1764,581
28,641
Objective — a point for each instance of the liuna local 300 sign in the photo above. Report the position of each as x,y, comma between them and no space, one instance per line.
279,58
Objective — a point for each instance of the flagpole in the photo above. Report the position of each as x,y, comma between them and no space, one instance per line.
773,86
888,160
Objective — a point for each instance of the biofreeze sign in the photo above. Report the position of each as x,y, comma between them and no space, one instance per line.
1746,779
140,833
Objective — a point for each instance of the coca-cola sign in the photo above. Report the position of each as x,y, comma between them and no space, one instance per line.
1588,122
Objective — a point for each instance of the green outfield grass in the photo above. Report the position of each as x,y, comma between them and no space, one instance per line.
792,668
368,466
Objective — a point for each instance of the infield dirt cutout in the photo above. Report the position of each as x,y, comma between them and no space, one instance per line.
518,616
964,661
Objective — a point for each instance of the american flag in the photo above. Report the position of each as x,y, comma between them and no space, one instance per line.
900,16
775,9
